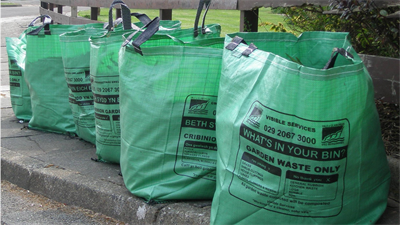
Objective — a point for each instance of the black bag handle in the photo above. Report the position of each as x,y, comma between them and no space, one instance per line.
126,18
40,17
202,3
142,17
330,64
151,29
249,50
46,25
335,53
236,41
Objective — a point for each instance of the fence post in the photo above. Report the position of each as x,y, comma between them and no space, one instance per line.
44,5
249,20
94,12
74,11
60,9
166,14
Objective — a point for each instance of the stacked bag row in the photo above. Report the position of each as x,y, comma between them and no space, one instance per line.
273,128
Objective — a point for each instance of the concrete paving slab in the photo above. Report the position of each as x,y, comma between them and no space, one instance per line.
70,159
60,168
11,127
100,195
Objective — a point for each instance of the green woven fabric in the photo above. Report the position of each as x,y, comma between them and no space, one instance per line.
75,51
105,87
19,92
168,101
104,76
44,74
297,144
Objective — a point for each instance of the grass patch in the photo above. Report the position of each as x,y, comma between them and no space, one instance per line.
10,4
228,19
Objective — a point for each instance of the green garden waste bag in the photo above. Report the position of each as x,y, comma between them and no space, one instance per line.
168,99
104,77
19,92
44,74
298,133
75,51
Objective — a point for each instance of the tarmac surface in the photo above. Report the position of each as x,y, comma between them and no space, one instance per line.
60,167
20,206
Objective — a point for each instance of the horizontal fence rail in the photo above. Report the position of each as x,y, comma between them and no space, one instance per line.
385,76
248,8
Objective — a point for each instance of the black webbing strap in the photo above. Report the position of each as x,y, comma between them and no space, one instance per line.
46,25
202,3
335,53
151,29
235,42
142,17
126,17
249,50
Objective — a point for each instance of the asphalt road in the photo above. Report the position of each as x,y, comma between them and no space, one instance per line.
28,8
19,206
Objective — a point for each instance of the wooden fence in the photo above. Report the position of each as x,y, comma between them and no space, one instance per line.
248,8
385,73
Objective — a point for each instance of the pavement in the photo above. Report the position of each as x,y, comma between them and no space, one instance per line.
60,167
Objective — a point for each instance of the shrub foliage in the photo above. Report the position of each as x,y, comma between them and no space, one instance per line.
371,28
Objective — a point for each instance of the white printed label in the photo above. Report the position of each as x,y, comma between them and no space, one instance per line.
289,164
107,113
197,147
16,85
80,96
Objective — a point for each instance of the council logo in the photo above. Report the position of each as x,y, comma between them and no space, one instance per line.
198,106
255,116
333,135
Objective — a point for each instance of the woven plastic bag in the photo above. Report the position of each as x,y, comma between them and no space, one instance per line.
298,133
19,91
168,101
44,74
75,51
105,87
